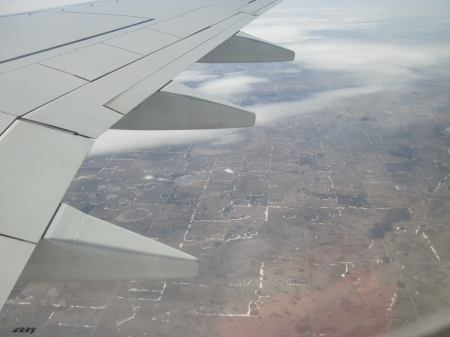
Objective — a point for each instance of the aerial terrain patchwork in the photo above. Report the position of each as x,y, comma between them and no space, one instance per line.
332,222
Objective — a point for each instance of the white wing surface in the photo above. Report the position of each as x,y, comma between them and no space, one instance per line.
69,74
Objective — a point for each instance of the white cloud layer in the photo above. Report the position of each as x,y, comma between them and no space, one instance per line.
231,85
113,141
390,62
385,64
195,75
269,112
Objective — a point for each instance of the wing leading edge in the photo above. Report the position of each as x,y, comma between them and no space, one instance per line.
62,89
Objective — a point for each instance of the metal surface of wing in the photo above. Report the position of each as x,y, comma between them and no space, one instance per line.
69,74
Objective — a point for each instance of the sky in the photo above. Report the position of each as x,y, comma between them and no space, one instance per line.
365,4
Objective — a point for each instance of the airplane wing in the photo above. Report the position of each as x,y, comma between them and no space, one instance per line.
69,74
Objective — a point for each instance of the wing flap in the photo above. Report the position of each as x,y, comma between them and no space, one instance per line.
91,123
92,62
15,255
28,88
177,107
79,247
143,41
38,165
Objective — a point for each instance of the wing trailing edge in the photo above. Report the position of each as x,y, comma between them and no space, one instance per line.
78,247
245,48
178,107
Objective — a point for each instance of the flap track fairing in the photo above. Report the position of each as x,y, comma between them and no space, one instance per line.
178,107
78,247
245,48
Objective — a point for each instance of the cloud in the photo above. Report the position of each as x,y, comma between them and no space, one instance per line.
231,85
398,4
269,112
371,63
195,75
297,25
114,141
211,80
374,47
